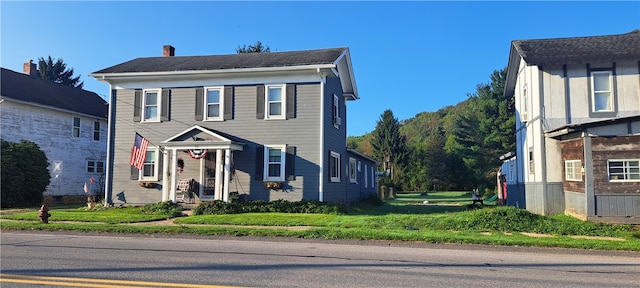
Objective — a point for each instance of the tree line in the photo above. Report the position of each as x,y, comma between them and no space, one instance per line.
455,148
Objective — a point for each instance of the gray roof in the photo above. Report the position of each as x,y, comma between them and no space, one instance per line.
24,88
230,61
579,49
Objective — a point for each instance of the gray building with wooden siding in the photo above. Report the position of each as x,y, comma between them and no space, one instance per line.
268,126
578,125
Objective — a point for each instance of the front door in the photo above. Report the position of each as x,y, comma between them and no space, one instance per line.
208,189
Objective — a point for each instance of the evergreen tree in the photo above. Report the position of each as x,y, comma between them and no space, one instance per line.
388,146
255,48
58,72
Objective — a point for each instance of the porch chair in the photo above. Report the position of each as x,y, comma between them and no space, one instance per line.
184,191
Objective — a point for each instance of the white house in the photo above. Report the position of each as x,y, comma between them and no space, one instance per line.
69,124
577,126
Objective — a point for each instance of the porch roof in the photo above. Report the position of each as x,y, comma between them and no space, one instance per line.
198,137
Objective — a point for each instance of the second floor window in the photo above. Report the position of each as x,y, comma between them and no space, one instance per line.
602,98
337,121
275,101
214,103
96,130
151,105
76,127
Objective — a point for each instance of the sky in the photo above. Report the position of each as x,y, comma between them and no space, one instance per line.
409,57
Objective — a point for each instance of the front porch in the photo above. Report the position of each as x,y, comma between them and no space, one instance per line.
198,165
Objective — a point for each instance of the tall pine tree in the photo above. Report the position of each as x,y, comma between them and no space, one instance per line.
388,146
57,71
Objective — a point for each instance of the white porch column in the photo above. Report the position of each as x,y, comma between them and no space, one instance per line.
165,178
227,172
218,180
174,175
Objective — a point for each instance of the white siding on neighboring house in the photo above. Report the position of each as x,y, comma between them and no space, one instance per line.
52,130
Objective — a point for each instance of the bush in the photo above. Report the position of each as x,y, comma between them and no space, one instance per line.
24,174
163,208
218,207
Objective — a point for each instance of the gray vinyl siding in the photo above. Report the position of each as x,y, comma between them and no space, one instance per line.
335,140
303,132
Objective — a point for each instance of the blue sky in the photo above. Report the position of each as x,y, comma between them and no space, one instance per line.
409,57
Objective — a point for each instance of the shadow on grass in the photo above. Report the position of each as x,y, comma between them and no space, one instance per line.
414,203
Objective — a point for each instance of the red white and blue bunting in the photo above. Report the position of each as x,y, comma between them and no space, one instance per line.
197,153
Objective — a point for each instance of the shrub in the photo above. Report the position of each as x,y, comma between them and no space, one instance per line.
24,174
163,208
218,207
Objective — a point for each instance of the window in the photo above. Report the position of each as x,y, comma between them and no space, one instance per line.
624,170
275,101
274,162
95,166
573,170
96,130
150,169
602,99
151,106
366,174
76,127
525,98
531,166
353,178
373,178
214,98
337,121
334,166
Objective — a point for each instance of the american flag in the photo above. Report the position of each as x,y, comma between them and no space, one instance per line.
139,152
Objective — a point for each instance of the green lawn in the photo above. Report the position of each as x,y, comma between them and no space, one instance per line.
446,218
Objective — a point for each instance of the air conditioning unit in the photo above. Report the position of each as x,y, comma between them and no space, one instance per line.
337,120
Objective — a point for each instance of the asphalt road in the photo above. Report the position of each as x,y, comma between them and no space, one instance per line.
77,260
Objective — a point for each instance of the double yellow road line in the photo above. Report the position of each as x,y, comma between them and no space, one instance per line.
91,282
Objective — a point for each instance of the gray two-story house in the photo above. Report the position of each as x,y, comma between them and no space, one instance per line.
268,126
577,126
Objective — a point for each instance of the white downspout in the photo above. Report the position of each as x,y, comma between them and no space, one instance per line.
322,152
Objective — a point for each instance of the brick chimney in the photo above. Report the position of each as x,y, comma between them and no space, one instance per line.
168,51
30,69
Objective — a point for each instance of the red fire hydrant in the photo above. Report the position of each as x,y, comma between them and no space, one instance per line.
43,214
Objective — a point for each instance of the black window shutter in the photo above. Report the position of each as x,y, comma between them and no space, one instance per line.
134,173
260,102
159,163
291,101
137,106
164,114
259,163
330,167
199,104
228,102
290,168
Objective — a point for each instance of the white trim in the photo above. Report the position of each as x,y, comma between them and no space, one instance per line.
283,102
322,153
205,105
79,127
571,171
283,158
334,155
626,167
104,77
143,105
337,121
353,172
610,91
155,177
